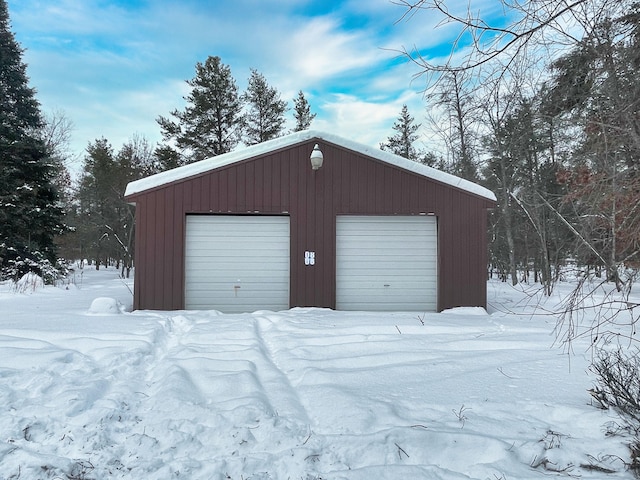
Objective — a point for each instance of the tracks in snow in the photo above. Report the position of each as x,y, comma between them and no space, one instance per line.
222,364
282,395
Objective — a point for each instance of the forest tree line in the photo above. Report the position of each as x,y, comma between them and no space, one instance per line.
558,141
89,218
547,116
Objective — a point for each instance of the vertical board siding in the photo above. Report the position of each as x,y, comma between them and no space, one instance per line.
158,268
283,182
167,241
139,248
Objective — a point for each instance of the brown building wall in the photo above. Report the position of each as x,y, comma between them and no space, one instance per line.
283,182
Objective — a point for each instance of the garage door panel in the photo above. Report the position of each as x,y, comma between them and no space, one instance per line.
257,294
267,243
407,281
247,291
407,285
386,267
386,263
203,277
237,263
256,285
234,265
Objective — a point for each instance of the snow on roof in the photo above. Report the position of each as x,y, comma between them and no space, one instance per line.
212,163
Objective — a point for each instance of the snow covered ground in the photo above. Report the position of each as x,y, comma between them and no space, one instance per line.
90,390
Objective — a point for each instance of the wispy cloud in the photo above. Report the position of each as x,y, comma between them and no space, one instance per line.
113,67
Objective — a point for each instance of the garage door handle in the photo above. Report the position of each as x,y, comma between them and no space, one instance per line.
387,285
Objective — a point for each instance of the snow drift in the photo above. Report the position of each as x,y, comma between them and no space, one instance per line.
302,394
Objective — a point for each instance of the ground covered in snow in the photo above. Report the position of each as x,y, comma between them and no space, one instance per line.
90,390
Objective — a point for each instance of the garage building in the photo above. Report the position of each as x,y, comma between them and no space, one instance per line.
261,228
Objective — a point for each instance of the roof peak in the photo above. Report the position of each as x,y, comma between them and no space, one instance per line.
208,164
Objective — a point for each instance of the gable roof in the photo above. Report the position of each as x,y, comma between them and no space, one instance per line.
203,166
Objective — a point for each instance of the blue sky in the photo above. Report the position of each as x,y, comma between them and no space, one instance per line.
112,67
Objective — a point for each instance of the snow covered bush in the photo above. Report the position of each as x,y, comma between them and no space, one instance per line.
15,265
29,283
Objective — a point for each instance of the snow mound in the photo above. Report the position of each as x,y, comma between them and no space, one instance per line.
105,306
465,311
29,283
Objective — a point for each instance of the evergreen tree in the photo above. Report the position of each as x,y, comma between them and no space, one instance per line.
135,160
30,213
302,113
264,118
521,171
432,160
104,220
166,158
95,202
401,143
595,87
56,135
210,124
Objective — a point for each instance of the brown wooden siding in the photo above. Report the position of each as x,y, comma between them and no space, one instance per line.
283,182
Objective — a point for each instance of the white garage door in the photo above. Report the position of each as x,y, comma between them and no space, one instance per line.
386,263
237,263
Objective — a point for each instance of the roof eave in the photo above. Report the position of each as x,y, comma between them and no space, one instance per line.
188,171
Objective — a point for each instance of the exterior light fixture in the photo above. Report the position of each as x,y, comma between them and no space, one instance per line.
316,158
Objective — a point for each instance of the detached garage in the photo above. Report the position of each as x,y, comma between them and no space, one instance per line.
263,229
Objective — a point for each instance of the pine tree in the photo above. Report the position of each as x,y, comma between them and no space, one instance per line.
210,124
135,160
30,213
95,206
104,220
264,118
401,143
302,113
166,158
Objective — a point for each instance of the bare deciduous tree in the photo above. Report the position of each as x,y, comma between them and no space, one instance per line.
483,39
455,114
